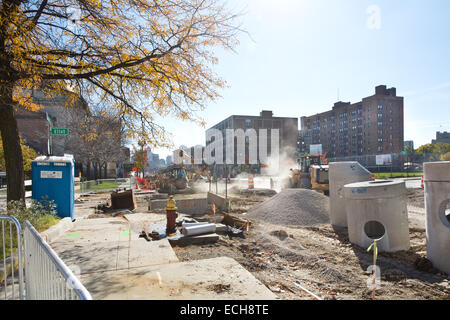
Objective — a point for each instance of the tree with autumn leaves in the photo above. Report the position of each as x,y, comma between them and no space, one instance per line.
138,58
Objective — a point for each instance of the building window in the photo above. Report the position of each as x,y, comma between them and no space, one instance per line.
380,148
380,107
248,122
380,116
380,124
380,140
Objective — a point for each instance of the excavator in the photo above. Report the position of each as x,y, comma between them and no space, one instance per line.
313,174
172,180
178,179
203,171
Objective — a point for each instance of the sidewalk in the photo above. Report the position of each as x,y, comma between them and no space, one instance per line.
114,263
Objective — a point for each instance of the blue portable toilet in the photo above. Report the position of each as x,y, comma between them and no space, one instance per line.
53,179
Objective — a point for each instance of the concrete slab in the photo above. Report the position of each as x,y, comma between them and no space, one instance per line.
91,257
97,222
195,240
97,245
196,280
88,257
146,218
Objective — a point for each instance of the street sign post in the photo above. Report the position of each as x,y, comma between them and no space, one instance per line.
60,131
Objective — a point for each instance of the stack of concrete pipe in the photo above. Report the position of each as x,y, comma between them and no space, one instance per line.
437,203
371,210
340,174
377,211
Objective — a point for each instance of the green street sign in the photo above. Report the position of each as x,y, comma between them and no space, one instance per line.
60,131
404,152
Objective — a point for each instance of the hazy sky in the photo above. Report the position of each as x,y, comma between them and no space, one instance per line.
301,52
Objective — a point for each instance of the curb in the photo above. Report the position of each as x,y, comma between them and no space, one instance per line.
54,232
57,230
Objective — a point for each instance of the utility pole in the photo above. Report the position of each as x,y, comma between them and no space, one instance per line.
226,182
50,138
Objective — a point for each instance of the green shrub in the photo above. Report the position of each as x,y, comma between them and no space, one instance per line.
41,215
34,213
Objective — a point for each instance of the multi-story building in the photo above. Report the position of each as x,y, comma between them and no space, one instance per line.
409,144
372,126
443,137
288,132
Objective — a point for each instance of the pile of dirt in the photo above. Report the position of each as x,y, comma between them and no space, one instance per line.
293,207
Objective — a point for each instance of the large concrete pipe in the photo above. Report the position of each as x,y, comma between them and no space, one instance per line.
342,173
437,204
376,210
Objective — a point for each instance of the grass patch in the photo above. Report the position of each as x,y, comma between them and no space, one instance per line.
387,175
105,185
46,222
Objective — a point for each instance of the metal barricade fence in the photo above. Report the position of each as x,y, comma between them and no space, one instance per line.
11,277
46,275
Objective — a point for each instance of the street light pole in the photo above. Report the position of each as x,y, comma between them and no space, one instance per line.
50,138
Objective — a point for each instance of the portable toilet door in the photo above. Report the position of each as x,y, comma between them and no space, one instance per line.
53,180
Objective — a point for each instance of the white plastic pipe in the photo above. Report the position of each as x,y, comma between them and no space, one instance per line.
199,229
192,224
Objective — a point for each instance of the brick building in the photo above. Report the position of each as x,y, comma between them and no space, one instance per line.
443,137
288,132
34,128
373,126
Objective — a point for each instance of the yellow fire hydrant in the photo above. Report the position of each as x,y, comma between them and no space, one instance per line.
171,213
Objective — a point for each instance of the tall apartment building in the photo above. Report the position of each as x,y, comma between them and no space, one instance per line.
369,127
288,131
443,137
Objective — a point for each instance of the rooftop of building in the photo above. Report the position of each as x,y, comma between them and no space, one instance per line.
264,114
380,90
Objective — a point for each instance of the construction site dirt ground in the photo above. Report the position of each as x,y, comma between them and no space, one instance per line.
320,258
323,260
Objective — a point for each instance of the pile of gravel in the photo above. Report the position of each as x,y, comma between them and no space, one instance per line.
295,207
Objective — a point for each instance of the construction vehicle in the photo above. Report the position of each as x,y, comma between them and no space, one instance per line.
194,174
176,178
313,174
172,180
203,171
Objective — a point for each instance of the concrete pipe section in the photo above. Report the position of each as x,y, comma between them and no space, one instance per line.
376,210
340,174
437,203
